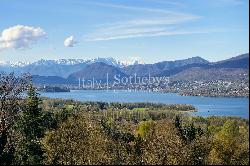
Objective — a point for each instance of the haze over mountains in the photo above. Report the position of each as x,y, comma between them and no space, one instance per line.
70,70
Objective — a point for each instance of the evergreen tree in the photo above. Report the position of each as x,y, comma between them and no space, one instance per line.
31,130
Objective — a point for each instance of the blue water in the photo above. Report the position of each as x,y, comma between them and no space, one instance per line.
206,106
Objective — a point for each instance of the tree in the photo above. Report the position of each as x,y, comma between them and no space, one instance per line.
31,127
78,140
120,142
230,146
11,95
144,128
162,145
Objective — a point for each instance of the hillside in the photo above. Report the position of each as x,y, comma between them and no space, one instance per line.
165,68
236,68
211,74
98,71
241,61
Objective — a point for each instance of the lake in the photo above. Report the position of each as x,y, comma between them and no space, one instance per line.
206,106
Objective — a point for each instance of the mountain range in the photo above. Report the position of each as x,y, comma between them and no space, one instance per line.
61,68
66,71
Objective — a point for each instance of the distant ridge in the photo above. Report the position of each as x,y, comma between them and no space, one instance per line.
241,61
195,68
163,67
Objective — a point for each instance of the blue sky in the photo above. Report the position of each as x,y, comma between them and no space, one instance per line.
152,30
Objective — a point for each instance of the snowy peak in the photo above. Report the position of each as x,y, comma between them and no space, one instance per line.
12,64
43,62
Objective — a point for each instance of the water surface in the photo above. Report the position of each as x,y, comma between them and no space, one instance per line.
206,106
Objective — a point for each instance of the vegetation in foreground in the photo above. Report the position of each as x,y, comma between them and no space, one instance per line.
53,131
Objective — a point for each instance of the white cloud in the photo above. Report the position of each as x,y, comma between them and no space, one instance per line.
152,33
70,42
149,22
148,27
20,37
141,9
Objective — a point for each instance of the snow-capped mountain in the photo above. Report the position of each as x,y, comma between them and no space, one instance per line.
59,62
109,61
60,67
12,64
72,68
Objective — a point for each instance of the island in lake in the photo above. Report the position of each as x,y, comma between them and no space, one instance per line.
53,89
